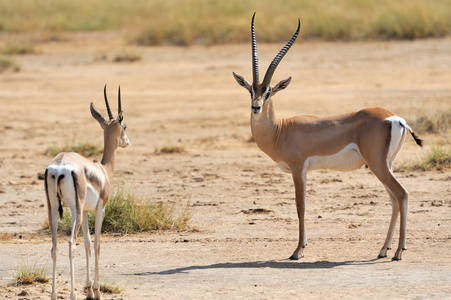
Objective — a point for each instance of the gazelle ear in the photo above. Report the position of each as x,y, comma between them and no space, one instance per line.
243,82
281,85
95,113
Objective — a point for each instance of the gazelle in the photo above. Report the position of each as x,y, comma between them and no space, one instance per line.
84,185
371,137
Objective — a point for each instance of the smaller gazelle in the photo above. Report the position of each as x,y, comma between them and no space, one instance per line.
371,136
84,185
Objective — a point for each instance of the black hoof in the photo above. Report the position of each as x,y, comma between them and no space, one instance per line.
395,259
381,256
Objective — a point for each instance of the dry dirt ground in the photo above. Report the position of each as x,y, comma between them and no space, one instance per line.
188,97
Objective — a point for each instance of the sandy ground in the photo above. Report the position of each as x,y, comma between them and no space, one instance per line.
188,97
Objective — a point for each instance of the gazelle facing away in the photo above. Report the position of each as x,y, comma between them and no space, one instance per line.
371,136
84,185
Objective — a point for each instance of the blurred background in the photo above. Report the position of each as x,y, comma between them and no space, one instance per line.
206,22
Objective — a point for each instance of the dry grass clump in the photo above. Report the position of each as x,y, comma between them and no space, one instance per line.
438,158
8,64
28,274
170,148
126,214
18,49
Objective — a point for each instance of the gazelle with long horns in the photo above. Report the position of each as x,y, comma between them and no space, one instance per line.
84,185
371,136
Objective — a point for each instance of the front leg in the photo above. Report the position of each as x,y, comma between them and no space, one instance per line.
299,178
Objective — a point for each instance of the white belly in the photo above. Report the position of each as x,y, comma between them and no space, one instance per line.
92,198
349,158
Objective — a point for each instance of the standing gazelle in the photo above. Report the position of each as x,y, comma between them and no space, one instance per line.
84,185
371,136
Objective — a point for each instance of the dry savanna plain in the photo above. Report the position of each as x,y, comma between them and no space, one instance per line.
243,223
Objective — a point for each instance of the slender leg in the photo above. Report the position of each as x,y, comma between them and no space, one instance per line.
52,208
76,222
98,227
391,228
401,196
53,223
299,177
87,238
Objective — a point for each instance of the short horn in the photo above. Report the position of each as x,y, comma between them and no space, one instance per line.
272,67
110,115
254,54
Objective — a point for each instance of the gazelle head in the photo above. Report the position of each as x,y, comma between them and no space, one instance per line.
262,92
114,129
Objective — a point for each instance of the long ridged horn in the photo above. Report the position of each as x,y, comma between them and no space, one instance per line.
254,54
110,115
272,67
119,107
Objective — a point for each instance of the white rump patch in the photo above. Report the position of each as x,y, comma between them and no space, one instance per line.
347,159
398,135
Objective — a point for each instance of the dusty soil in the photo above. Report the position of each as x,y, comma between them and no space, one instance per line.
188,97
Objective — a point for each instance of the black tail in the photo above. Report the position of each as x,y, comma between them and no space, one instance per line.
417,140
58,195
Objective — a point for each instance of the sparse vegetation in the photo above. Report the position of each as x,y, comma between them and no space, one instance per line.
126,214
8,64
20,49
110,289
28,274
127,57
169,149
85,149
186,22
437,158
437,122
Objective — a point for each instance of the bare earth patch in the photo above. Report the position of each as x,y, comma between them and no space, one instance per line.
242,205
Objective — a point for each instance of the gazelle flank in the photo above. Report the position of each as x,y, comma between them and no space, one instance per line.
371,136
84,185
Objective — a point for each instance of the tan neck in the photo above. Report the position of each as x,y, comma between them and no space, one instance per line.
266,129
109,154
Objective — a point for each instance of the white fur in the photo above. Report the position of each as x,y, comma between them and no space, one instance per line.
92,198
398,135
347,159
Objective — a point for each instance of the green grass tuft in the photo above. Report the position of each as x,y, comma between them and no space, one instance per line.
436,159
85,149
126,214
28,274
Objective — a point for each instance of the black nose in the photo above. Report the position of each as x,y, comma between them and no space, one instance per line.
255,109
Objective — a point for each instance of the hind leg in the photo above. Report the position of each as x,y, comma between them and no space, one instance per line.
76,222
399,198
391,228
87,238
